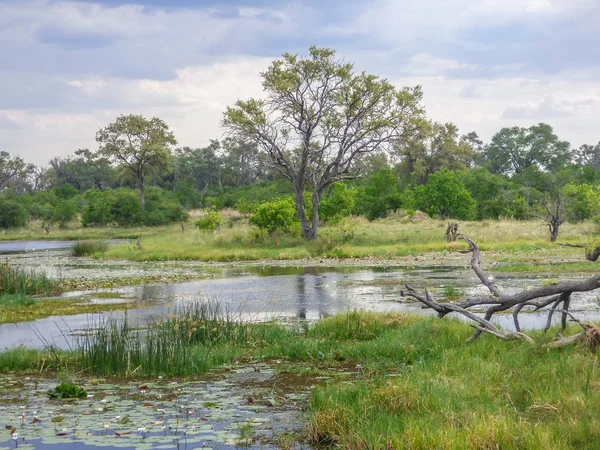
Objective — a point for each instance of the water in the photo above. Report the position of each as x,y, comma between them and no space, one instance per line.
258,292
209,413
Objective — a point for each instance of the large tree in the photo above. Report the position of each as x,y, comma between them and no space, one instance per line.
512,150
318,119
139,144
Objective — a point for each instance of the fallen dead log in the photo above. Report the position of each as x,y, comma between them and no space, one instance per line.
554,298
590,255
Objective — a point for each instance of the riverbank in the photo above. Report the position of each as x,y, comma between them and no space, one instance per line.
410,382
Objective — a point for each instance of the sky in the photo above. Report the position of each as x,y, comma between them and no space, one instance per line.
69,68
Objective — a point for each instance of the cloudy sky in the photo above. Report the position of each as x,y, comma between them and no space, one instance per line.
70,67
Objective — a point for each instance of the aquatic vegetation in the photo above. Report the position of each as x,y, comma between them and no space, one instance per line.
16,300
17,280
67,391
89,247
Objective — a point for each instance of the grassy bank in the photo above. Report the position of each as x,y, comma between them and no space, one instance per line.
419,385
383,239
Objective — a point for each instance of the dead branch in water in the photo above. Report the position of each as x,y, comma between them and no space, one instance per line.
557,296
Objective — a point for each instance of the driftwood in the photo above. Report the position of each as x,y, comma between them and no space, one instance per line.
556,297
590,255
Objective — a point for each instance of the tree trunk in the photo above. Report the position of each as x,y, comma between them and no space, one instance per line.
304,223
142,193
316,201
554,226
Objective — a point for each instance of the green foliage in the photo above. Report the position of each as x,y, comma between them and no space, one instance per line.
12,213
98,211
210,221
445,195
277,215
379,194
582,201
65,211
338,204
126,209
513,150
162,207
67,391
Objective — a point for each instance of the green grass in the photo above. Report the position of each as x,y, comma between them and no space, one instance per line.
16,300
88,247
16,280
418,384
382,239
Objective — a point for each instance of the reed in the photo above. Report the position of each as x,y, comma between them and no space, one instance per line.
17,280
88,247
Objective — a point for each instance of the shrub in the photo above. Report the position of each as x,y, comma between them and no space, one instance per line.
277,215
65,211
98,210
210,221
340,203
12,214
126,209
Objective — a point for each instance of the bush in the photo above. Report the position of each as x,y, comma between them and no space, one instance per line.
210,221
12,214
126,209
98,210
65,211
340,203
277,215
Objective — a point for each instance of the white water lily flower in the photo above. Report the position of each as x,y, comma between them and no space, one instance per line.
15,436
103,400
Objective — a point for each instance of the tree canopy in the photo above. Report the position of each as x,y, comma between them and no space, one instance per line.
318,119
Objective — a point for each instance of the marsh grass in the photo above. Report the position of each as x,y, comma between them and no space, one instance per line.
416,385
16,300
16,280
89,247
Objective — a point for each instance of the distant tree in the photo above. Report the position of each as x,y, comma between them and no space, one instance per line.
588,155
433,147
137,143
15,173
243,162
202,167
473,141
512,150
318,119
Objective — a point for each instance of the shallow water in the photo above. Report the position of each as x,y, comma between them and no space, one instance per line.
287,293
210,413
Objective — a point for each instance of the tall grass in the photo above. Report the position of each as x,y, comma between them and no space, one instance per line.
16,280
88,247
178,343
